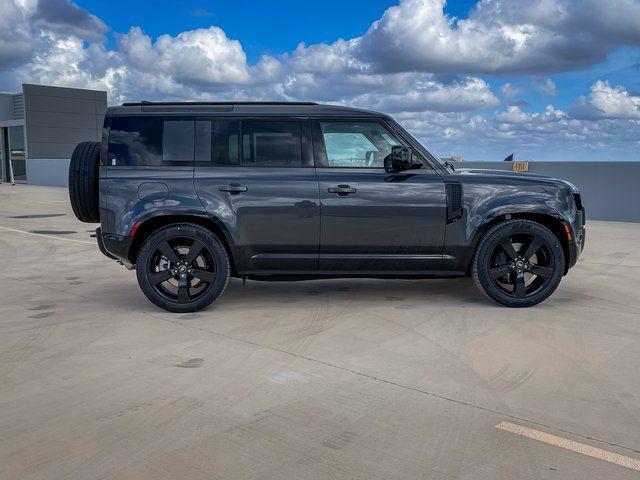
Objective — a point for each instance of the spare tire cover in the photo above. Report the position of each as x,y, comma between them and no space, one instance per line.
83,181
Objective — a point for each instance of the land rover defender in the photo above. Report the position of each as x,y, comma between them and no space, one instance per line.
190,194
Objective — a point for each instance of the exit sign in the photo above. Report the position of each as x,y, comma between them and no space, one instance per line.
520,166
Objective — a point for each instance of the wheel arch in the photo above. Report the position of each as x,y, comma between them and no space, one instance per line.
547,219
145,229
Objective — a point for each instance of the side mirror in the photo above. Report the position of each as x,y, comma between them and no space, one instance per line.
399,159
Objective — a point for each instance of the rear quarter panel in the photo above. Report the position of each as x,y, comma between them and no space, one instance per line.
140,193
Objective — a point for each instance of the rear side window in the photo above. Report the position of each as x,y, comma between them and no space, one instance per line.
225,148
140,141
272,144
258,144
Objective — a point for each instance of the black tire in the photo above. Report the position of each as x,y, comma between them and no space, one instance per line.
83,181
518,263
182,268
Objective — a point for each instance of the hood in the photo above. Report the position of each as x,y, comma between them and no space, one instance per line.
520,177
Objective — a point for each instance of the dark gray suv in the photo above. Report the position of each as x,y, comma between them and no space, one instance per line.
190,194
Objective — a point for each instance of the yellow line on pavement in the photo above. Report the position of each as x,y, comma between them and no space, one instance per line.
607,456
47,236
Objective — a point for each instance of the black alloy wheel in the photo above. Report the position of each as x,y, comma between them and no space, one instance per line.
518,263
182,268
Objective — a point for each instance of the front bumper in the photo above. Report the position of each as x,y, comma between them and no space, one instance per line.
578,237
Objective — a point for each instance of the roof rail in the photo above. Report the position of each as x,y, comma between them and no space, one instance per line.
147,103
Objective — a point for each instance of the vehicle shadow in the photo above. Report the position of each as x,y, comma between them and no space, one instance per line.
359,290
345,292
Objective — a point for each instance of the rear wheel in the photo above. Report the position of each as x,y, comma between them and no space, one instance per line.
182,268
518,263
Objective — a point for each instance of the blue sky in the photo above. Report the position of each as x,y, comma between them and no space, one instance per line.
278,27
548,79
263,27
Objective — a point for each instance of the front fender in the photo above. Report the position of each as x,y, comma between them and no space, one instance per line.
483,202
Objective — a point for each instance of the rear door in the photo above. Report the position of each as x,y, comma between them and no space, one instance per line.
257,180
373,221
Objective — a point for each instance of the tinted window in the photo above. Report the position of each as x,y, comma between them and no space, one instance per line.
357,144
225,137
177,141
203,141
150,141
272,144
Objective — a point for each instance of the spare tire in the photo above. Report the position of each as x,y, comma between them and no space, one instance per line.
83,181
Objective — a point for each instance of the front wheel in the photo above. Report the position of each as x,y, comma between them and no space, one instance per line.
518,263
182,268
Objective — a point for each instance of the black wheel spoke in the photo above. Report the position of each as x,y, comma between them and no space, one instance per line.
521,266
544,272
506,245
520,289
534,245
182,269
168,252
194,251
203,275
498,272
183,289
159,277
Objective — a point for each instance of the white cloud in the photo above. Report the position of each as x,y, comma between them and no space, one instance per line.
65,18
515,116
197,57
548,135
547,87
511,90
322,58
27,27
415,62
16,42
500,37
605,101
470,94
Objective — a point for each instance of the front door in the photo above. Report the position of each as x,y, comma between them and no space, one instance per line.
374,221
260,184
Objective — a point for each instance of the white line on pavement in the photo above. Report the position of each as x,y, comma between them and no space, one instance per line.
47,236
570,445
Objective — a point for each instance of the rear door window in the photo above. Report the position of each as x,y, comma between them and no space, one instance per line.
144,141
272,144
225,147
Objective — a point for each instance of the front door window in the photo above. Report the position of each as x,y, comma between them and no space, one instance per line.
357,144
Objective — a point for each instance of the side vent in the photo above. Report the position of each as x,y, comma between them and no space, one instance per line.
454,202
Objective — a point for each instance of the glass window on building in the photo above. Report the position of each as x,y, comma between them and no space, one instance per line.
17,152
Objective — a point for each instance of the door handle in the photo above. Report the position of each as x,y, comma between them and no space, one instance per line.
342,190
233,188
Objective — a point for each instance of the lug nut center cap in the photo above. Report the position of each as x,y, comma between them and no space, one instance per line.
182,269
519,264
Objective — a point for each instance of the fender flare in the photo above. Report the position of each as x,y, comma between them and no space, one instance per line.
511,210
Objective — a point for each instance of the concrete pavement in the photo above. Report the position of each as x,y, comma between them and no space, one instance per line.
323,379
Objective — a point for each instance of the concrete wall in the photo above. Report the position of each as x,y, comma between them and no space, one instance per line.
6,106
56,120
609,190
